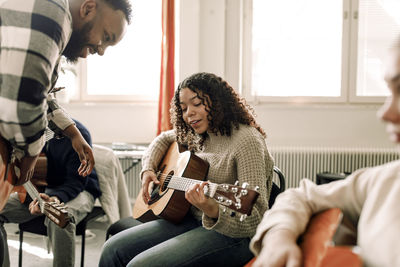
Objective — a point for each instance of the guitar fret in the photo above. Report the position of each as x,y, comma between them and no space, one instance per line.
182,183
33,193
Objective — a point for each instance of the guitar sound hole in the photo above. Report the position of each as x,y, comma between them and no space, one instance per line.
159,190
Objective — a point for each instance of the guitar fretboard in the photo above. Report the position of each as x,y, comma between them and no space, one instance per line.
33,193
183,184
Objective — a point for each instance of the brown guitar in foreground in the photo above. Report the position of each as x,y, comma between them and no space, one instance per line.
316,243
168,198
8,179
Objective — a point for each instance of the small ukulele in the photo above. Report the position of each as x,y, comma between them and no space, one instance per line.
168,198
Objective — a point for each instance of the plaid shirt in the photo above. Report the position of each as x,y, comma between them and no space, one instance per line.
33,35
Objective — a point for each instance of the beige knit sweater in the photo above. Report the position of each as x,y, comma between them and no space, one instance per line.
243,156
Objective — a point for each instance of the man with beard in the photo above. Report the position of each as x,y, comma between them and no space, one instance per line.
34,35
63,185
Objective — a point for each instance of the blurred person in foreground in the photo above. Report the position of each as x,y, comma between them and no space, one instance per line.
369,198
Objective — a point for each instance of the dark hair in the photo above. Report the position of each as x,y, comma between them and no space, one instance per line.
123,5
224,106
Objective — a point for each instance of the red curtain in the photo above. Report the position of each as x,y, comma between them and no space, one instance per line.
167,66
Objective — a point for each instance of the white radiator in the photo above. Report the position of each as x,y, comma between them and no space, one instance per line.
305,162
131,166
295,162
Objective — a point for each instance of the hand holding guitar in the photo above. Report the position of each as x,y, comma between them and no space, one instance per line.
173,194
34,207
148,178
279,249
195,195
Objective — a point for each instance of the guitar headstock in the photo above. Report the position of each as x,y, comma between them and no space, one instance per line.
238,198
56,213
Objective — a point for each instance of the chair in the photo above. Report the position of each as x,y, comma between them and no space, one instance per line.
36,226
275,190
129,222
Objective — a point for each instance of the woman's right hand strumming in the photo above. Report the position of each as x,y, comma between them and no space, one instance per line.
147,178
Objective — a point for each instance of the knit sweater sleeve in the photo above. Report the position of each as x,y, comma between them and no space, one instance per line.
157,149
294,207
254,165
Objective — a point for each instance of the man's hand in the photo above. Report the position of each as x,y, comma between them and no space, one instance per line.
85,154
34,205
279,250
147,178
82,148
195,196
26,167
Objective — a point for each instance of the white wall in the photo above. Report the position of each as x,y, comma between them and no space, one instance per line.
208,42
117,122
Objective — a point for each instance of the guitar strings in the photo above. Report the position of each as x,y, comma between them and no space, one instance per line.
175,176
184,186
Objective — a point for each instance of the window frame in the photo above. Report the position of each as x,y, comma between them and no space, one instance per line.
353,47
348,91
83,95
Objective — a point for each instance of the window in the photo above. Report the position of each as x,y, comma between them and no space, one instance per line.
313,50
379,23
131,69
292,54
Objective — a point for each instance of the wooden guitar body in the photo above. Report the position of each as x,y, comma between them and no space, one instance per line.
6,178
165,202
316,243
38,178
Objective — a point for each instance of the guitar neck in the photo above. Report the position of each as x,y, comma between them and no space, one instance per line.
54,212
33,193
183,184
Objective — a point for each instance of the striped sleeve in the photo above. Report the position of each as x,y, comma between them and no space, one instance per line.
58,118
33,35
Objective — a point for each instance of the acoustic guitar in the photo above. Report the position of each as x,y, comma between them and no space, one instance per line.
316,243
168,198
8,178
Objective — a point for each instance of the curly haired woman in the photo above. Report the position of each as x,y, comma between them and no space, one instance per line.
211,120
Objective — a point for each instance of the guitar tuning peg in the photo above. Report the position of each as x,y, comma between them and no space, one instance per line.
234,189
243,217
228,202
223,209
238,206
256,188
245,185
237,183
220,199
243,192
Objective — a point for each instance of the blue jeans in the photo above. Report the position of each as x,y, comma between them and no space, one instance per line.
161,243
63,239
